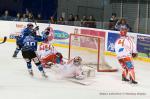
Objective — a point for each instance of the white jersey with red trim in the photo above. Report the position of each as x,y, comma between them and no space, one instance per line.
46,49
124,47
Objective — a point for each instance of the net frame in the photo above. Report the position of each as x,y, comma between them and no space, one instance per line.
101,67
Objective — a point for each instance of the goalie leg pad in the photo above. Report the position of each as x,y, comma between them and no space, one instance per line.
89,72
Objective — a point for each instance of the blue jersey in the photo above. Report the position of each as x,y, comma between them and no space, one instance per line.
26,32
29,43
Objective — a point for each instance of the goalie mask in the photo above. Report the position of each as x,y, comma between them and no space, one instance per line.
77,61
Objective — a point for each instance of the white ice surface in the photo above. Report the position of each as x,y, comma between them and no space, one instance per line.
15,83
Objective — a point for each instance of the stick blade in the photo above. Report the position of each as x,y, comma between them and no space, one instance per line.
85,82
4,40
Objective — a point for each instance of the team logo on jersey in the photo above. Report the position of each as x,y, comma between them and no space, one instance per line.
121,49
58,34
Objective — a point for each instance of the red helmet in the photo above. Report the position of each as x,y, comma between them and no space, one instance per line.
123,32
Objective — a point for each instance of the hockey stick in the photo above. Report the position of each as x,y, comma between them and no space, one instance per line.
4,40
35,22
85,82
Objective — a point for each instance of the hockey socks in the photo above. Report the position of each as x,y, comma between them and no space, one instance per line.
16,52
40,67
124,75
125,79
29,66
132,76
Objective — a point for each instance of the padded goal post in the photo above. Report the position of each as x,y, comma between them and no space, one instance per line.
91,49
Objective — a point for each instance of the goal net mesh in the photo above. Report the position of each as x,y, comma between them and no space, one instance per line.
91,50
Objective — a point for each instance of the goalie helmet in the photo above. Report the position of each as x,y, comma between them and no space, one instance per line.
77,61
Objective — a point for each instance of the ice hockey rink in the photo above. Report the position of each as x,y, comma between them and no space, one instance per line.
16,83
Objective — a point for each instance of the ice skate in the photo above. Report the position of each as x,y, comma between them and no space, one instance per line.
30,72
14,55
44,75
125,79
133,82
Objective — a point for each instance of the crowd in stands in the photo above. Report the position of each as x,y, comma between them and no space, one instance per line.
76,21
73,20
118,24
24,17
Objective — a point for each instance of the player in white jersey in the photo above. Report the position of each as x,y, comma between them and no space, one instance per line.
125,49
46,49
72,69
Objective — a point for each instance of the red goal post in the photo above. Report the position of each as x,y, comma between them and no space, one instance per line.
91,49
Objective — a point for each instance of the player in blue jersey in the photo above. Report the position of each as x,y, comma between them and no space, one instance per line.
29,47
25,32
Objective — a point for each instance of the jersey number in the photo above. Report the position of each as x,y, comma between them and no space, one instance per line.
121,42
30,43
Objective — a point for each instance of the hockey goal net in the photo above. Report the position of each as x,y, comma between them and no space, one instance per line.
91,50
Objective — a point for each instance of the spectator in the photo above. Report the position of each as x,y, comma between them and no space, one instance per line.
52,20
71,19
61,21
91,22
17,18
122,24
77,21
27,12
84,22
39,18
112,21
6,16
30,17
24,18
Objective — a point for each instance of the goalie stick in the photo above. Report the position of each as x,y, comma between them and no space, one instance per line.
85,82
4,40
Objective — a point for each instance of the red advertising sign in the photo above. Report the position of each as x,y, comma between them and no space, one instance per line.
90,42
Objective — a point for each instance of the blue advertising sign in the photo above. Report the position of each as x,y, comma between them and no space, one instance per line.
143,44
112,37
60,35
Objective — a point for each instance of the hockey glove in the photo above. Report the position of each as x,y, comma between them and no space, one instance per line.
36,28
134,55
